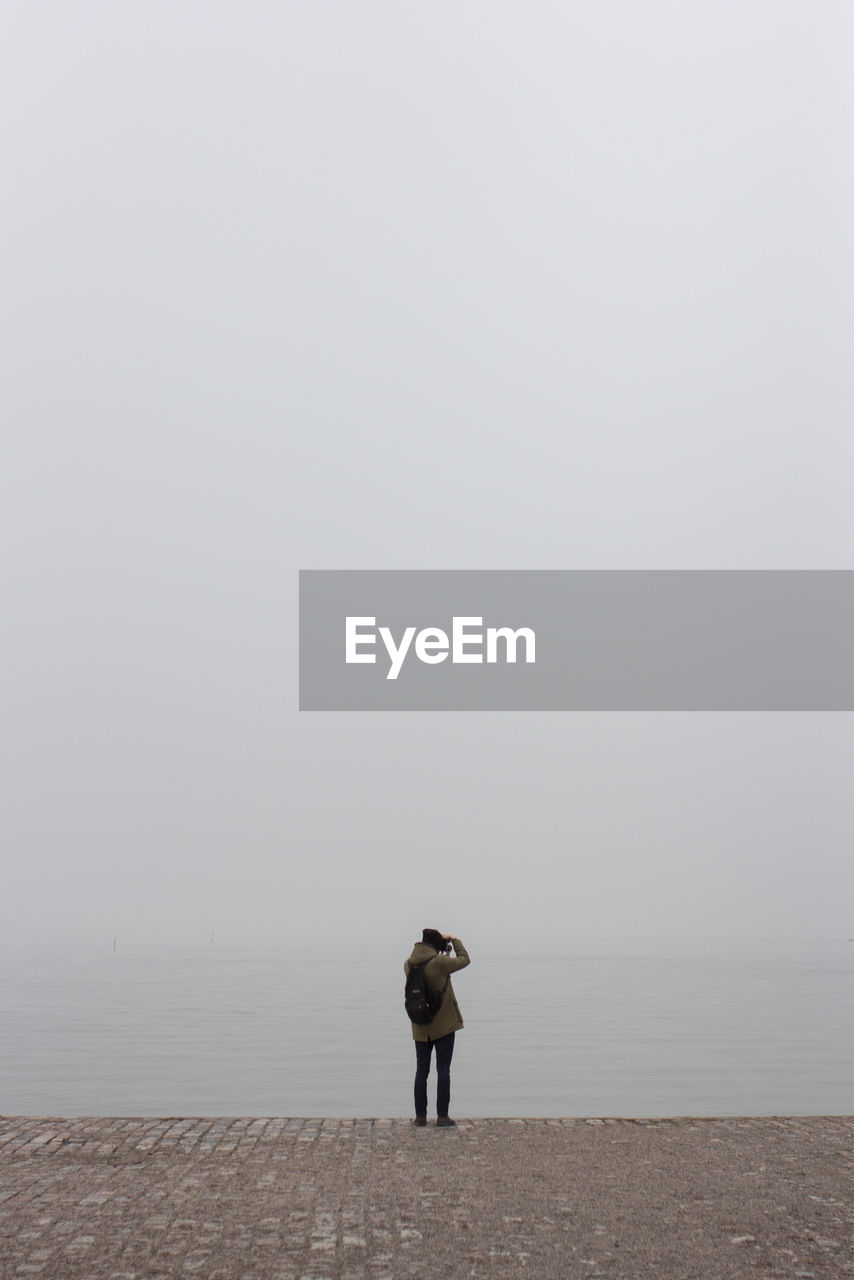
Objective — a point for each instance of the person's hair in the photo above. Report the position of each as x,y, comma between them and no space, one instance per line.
433,938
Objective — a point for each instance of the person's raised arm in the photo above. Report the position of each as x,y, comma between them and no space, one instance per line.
460,958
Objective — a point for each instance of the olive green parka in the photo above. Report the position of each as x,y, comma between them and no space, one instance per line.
438,972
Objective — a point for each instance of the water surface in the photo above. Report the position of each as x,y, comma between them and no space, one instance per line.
643,1029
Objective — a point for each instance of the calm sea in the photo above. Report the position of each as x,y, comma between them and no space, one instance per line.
646,1029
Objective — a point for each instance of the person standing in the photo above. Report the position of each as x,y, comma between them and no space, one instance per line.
447,1021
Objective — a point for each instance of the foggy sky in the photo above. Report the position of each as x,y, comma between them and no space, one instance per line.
410,286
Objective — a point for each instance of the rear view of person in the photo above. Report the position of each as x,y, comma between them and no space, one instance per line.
446,1019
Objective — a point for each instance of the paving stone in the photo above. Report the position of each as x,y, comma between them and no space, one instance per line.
261,1198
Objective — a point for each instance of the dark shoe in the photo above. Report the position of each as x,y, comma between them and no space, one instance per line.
445,1122
420,1120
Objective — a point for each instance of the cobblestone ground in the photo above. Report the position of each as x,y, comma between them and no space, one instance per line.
381,1200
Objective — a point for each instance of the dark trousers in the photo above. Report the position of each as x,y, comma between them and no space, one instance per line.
444,1047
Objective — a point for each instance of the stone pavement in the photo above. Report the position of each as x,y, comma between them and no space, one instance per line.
226,1199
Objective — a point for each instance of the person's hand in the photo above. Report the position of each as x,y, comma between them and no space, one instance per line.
449,937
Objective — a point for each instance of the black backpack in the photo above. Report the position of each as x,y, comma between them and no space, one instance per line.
420,1002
